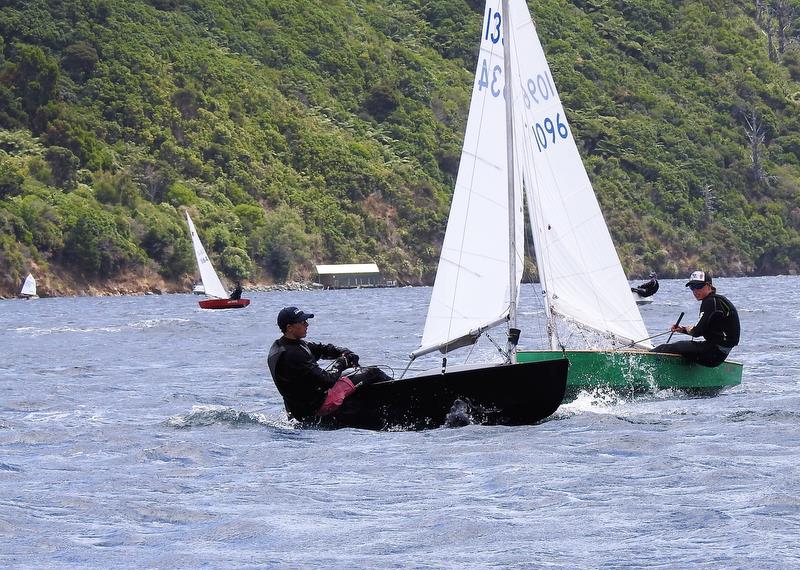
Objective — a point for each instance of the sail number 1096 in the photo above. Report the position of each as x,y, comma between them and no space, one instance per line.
548,127
494,82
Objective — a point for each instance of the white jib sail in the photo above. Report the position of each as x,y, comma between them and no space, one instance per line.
471,291
29,286
578,264
208,276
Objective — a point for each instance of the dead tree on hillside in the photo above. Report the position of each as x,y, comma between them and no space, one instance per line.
756,135
767,27
709,202
776,19
785,13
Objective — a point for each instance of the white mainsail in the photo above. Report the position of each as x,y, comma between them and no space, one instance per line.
28,287
211,283
579,268
472,288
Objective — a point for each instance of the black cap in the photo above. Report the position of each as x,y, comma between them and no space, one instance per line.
699,278
291,315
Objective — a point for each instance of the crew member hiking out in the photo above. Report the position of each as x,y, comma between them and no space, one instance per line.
309,391
718,324
648,288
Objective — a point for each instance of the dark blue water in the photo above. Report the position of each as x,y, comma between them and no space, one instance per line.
144,432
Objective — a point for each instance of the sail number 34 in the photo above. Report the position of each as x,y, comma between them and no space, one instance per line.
539,90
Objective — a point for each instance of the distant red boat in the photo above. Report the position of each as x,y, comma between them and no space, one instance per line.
211,286
224,303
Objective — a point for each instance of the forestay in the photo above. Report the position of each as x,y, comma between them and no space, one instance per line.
471,290
211,283
579,268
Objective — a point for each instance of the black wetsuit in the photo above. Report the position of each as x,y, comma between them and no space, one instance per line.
299,379
646,289
237,293
718,324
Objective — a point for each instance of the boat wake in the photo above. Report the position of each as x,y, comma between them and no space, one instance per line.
154,323
33,331
139,325
606,401
202,416
591,401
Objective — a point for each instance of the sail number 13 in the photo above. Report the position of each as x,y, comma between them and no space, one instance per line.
537,91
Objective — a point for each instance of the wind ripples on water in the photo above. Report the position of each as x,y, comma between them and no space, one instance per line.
143,431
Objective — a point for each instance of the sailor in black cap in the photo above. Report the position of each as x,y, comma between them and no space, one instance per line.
718,324
308,390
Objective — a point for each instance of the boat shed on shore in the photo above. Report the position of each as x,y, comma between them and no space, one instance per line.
350,276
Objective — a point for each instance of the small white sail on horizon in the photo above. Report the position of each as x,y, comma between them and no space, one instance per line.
28,287
212,285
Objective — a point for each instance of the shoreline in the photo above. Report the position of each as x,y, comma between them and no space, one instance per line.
148,289
120,291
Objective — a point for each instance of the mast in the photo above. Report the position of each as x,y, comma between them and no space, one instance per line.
513,286
527,177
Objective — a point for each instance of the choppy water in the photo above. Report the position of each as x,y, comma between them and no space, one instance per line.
144,432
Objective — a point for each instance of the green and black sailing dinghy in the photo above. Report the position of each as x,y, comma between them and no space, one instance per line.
587,298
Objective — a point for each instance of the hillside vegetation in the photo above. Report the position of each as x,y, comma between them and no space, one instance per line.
300,131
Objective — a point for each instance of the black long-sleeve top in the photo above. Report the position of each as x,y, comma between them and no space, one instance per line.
649,288
299,379
718,322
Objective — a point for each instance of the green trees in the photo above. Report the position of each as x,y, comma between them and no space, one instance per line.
302,132
79,60
11,178
95,241
32,75
63,166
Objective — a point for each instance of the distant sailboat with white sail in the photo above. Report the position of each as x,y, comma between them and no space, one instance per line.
212,286
28,290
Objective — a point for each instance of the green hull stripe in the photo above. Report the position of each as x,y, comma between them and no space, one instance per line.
636,370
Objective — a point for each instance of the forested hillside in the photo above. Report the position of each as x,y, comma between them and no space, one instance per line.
300,131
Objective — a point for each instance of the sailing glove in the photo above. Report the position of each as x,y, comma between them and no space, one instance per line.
340,364
351,358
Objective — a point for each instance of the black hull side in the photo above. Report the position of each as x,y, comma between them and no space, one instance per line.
518,394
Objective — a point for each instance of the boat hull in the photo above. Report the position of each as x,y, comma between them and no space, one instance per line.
519,394
634,371
224,303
